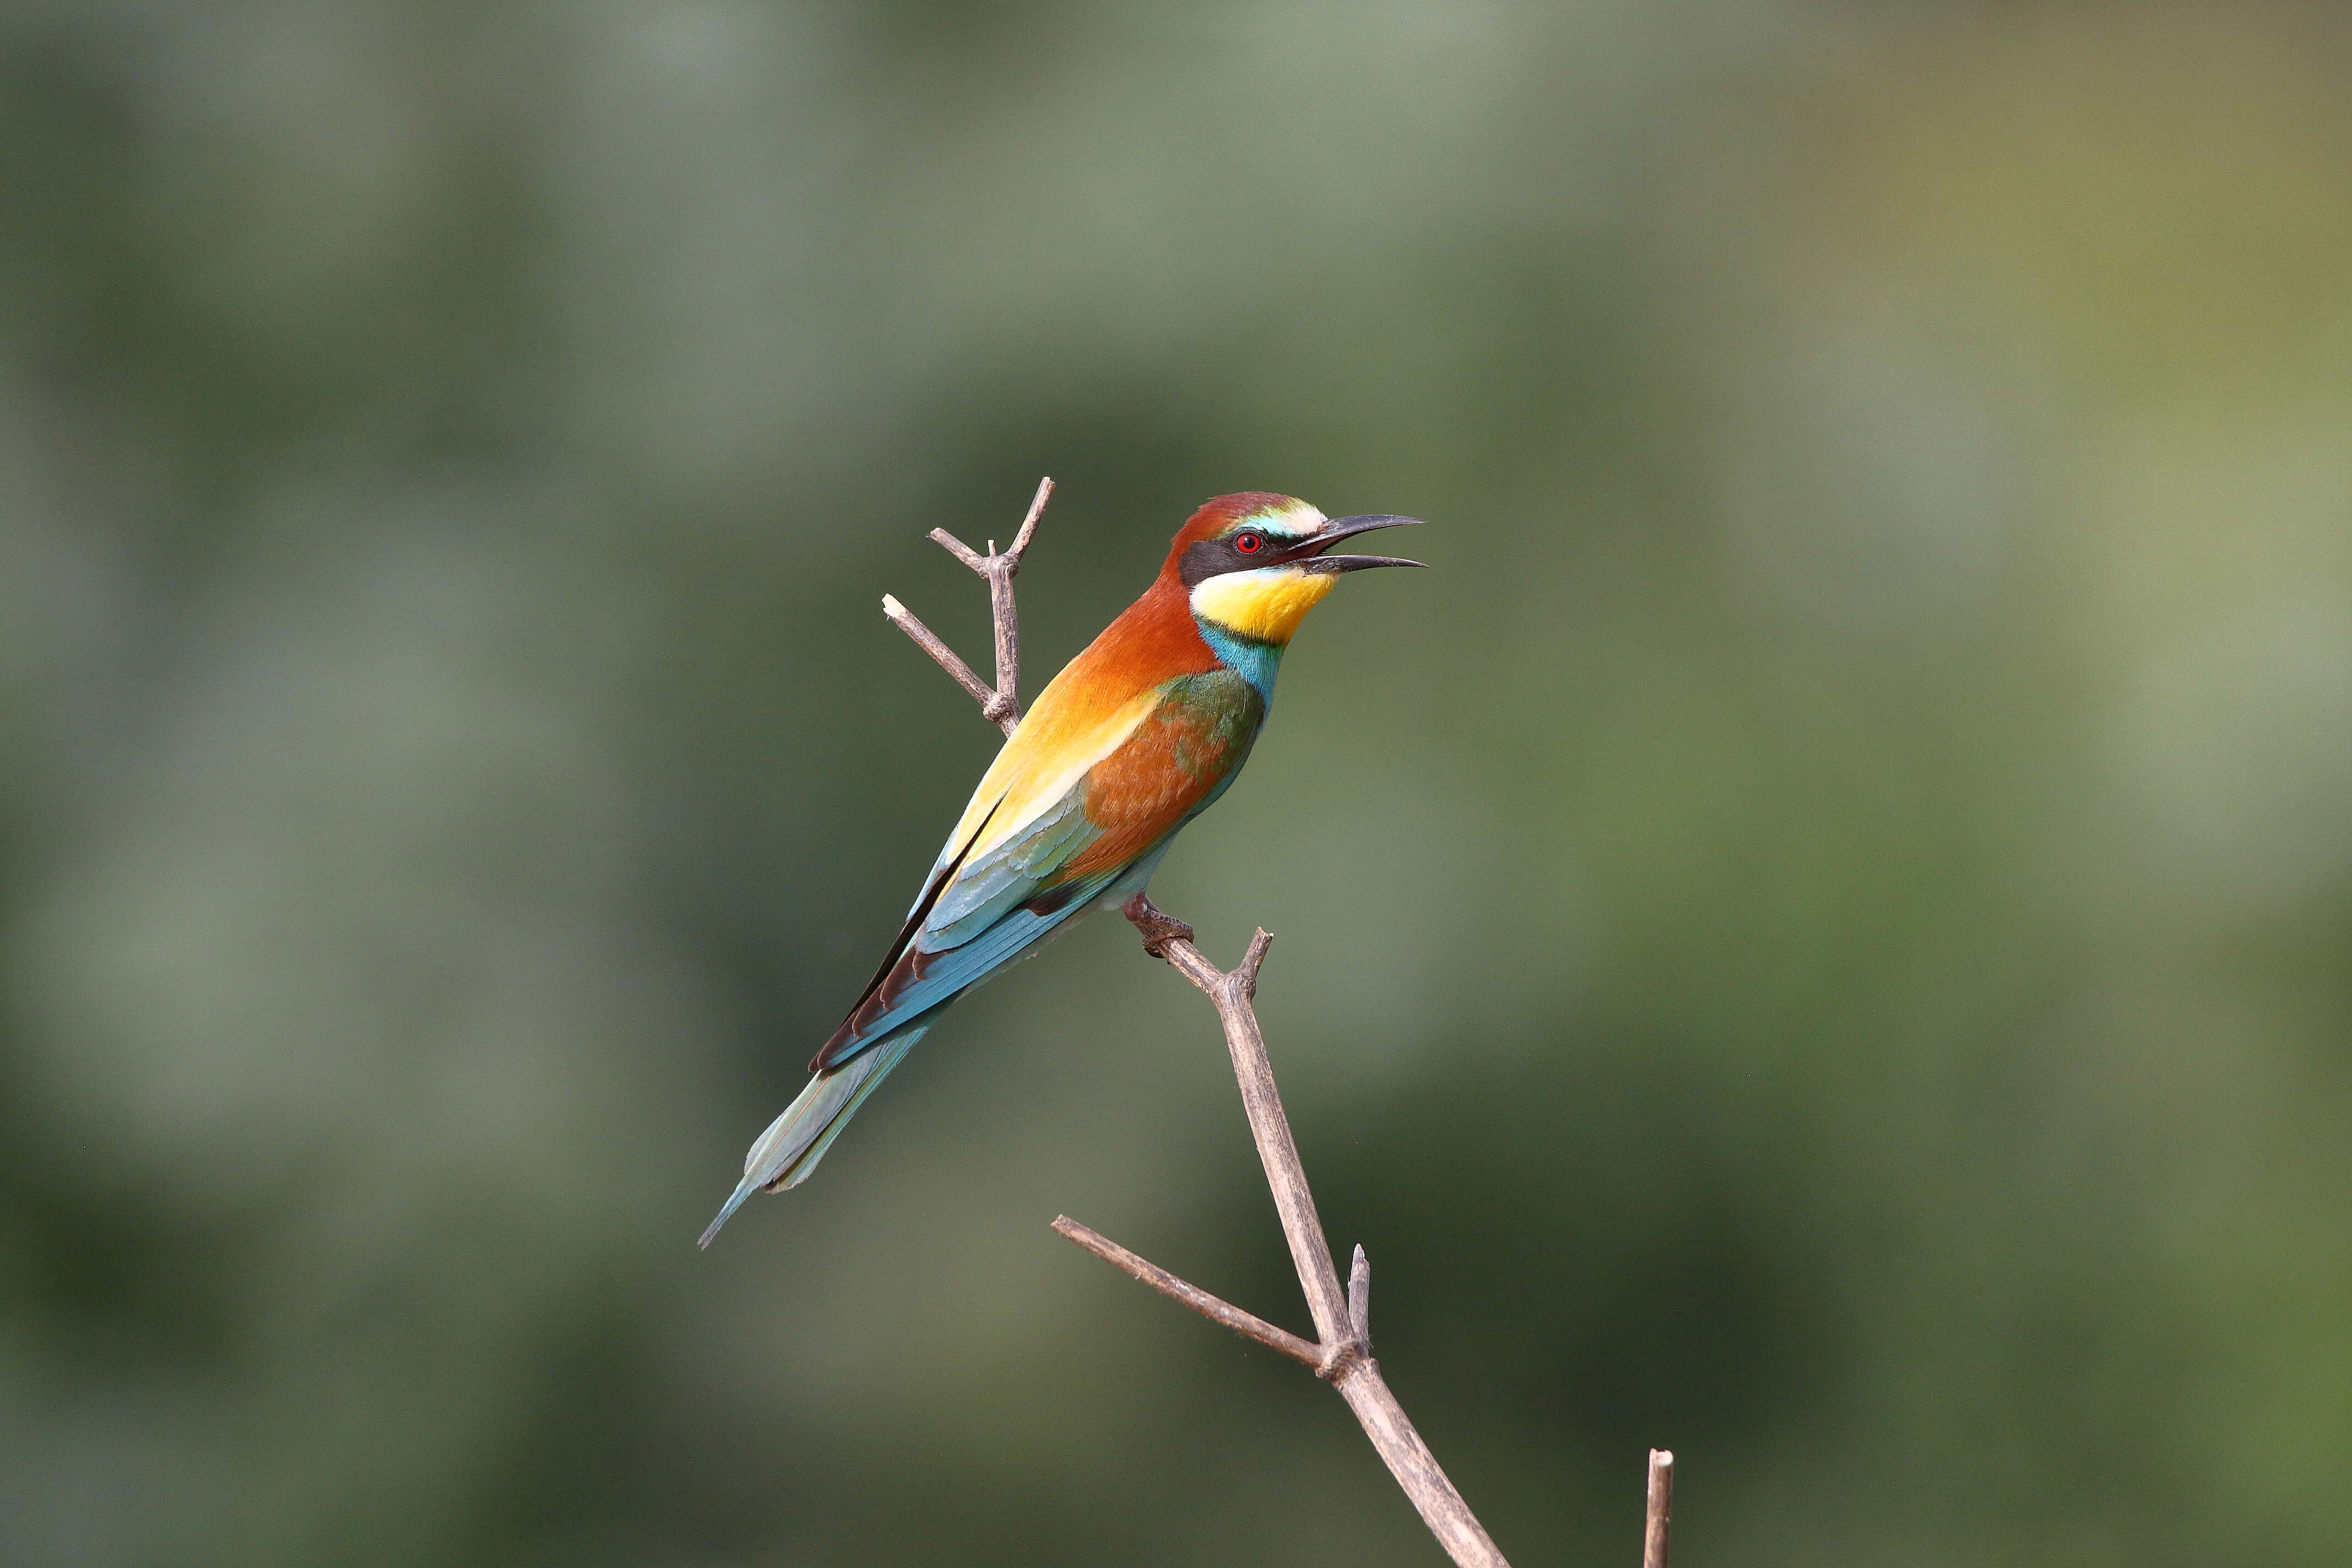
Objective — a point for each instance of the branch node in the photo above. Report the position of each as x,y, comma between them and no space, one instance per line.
1342,1360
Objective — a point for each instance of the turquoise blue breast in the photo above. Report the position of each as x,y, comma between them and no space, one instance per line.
1254,661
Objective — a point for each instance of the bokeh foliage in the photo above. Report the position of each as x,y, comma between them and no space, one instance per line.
1817,936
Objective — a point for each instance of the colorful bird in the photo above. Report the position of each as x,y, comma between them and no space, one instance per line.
1137,736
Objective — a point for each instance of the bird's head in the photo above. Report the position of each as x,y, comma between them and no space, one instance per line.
1253,563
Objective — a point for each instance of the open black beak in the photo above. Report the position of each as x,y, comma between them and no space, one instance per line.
1309,554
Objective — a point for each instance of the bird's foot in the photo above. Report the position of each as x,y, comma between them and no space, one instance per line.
1159,927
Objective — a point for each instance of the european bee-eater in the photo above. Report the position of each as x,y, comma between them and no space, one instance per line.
1137,736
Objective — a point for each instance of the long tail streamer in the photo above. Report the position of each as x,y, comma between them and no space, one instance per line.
792,1144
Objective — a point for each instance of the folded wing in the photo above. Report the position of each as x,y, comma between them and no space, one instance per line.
1050,829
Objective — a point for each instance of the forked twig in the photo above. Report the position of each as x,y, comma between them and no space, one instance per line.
1340,1352
1001,703
1342,1314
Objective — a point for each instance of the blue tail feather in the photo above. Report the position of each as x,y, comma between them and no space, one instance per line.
789,1150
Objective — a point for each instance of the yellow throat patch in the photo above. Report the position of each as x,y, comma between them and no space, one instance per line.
1265,605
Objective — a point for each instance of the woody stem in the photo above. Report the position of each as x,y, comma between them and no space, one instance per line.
1344,1357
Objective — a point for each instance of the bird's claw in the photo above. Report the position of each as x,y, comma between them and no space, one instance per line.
1159,927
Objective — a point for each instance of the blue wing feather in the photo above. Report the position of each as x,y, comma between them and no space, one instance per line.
980,922
990,886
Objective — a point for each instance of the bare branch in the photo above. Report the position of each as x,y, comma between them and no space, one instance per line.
928,641
1661,1510
1000,704
1262,1100
1359,1297
1253,960
1247,1325
1007,619
1029,523
1343,1355
960,551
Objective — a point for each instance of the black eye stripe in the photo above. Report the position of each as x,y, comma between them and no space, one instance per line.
1207,557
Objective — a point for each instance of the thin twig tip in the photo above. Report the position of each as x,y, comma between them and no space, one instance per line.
1658,1525
959,549
1029,523
1254,960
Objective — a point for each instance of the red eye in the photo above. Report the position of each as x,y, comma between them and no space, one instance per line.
1249,543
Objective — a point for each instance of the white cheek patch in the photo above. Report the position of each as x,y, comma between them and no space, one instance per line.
1267,604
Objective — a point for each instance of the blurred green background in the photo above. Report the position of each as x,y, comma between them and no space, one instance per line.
1820,935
